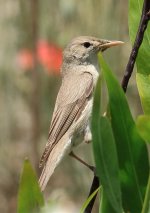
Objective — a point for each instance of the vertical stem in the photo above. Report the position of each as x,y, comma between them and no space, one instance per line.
138,41
94,186
35,96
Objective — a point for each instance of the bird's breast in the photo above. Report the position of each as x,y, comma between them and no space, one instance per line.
94,71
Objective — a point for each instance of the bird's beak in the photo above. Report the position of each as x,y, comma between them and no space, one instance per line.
107,44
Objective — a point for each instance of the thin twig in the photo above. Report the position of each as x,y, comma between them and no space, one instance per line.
145,17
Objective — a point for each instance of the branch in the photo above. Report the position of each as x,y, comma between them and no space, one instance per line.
145,17
94,186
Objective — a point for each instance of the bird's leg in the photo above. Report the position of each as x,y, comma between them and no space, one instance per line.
92,168
87,135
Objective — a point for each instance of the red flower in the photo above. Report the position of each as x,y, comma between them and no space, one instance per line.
49,56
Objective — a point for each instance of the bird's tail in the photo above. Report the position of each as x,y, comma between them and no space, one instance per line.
53,160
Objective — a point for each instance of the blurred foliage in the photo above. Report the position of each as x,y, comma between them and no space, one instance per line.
143,125
30,198
28,99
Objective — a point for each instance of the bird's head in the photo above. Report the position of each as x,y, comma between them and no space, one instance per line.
84,49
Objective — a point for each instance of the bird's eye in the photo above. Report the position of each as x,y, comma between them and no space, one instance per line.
86,44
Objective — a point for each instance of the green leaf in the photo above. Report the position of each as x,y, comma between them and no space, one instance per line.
142,62
131,149
30,198
105,206
105,155
143,125
86,203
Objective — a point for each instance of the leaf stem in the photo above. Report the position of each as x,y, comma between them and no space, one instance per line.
146,205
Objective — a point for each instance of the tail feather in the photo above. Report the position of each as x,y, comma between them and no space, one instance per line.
56,155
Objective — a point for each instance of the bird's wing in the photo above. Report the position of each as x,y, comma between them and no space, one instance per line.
71,100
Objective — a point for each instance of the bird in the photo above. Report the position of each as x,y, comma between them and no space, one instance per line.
73,107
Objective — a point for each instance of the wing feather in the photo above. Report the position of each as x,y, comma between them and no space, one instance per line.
71,100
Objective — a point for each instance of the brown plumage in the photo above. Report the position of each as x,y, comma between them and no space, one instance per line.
74,101
68,108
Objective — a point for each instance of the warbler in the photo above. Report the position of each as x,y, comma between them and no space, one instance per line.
74,101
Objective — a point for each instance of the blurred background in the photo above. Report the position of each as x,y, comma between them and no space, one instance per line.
33,34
